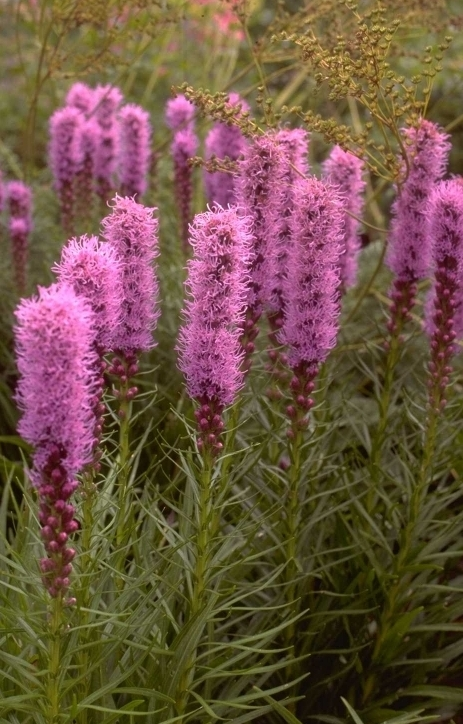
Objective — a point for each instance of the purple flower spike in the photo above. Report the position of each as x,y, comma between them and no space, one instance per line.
107,102
223,141
92,269
54,347
19,197
428,148
64,157
135,149
312,288
184,146
81,96
87,140
210,354
179,113
444,309
131,230
344,171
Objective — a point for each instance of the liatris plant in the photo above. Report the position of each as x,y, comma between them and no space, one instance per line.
64,156
427,149
444,309
19,197
180,119
81,96
209,342
344,171
224,140
106,106
134,150
54,345
258,192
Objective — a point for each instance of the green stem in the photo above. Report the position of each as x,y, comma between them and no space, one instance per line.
54,662
201,573
123,527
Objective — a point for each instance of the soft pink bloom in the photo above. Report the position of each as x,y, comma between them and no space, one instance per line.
344,171
107,102
134,149
131,230
81,96
179,113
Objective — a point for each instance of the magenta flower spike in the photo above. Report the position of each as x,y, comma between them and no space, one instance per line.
19,197
224,141
64,155
54,348
134,150
81,96
180,119
180,113
258,194
93,270
344,171
409,252
131,230
107,102
210,354
444,310
312,289
87,140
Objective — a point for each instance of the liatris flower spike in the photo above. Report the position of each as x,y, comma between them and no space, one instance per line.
408,254
210,354
131,230
311,290
107,102
64,155
344,171
135,150
19,197
445,306
258,191
54,347
180,118
224,140
81,96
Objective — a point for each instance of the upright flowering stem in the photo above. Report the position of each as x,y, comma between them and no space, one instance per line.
131,230
258,191
107,102
210,357
293,145
19,197
64,156
224,141
135,150
180,119
344,171
445,230
54,339
408,255
309,331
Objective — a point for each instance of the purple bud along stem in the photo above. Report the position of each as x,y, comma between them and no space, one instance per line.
312,289
54,346
135,150
210,354
344,171
444,308
224,140
409,253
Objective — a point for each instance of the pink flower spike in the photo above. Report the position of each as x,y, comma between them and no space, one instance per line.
428,149
92,269
19,196
81,96
179,113
224,140
64,158
312,284
135,149
107,102
131,230
209,348
344,171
